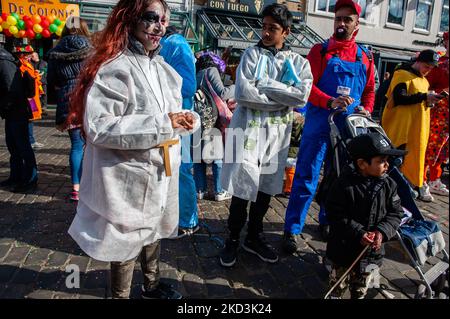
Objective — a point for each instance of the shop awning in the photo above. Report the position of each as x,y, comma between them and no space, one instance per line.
241,31
393,54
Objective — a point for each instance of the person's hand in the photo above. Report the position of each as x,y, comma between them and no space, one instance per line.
433,98
182,120
175,120
377,240
361,110
367,238
342,102
189,118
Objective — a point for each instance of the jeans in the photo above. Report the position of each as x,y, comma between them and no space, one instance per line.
23,167
76,155
238,216
187,193
122,272
200,176
31,133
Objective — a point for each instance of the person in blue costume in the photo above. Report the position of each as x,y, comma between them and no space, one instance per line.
178,54
343,78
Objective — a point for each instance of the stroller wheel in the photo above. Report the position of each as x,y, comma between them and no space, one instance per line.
421,290
443,296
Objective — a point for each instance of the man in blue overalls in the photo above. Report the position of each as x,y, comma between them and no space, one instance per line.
343,78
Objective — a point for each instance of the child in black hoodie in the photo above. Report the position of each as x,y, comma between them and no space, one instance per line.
363,209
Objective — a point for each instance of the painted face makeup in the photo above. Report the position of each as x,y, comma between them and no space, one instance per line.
152,26
149,18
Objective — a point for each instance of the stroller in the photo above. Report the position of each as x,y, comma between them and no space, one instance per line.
420,238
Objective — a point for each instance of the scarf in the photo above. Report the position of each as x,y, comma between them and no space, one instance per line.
137,47
35,102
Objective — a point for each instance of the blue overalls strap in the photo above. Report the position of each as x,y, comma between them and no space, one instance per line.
366,51
359,54
324,48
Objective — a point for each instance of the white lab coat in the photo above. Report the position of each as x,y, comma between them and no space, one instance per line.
265,115
126,200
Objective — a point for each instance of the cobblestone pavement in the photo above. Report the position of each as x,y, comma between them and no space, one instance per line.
35,248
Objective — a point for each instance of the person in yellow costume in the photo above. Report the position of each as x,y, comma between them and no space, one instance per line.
406,117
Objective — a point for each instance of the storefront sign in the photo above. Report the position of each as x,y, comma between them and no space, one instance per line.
40,7
241,6
223,43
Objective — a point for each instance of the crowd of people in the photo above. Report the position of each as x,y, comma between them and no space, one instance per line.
133,96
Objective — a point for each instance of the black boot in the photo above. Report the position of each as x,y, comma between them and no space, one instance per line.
162,291
324,231
229,253
8,183
290,245
25,187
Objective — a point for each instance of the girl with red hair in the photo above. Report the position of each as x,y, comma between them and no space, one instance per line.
129,103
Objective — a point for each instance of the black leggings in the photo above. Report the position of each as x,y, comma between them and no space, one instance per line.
238,215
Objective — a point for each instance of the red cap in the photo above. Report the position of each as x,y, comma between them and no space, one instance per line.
348,3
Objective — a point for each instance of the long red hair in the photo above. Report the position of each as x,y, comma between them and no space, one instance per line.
107,44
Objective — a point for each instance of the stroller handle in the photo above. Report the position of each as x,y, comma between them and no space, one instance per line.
335,112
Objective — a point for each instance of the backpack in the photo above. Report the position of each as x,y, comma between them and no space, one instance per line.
205,107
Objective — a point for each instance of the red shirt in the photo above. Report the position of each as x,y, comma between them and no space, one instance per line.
438,77
346,51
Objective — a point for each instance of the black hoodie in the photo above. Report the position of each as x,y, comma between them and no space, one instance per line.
355,205
13,103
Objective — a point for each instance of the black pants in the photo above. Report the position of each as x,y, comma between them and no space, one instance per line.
23,168
238,215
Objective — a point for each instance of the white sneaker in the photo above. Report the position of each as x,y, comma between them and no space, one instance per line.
200,195
36,145
223,195
437,187
424,193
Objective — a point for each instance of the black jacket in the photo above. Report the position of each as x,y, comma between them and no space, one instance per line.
64,64
13,103
355,205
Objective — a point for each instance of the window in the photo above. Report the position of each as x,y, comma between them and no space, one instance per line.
396,12
328,6
363,5
372,12
444,17
423,14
